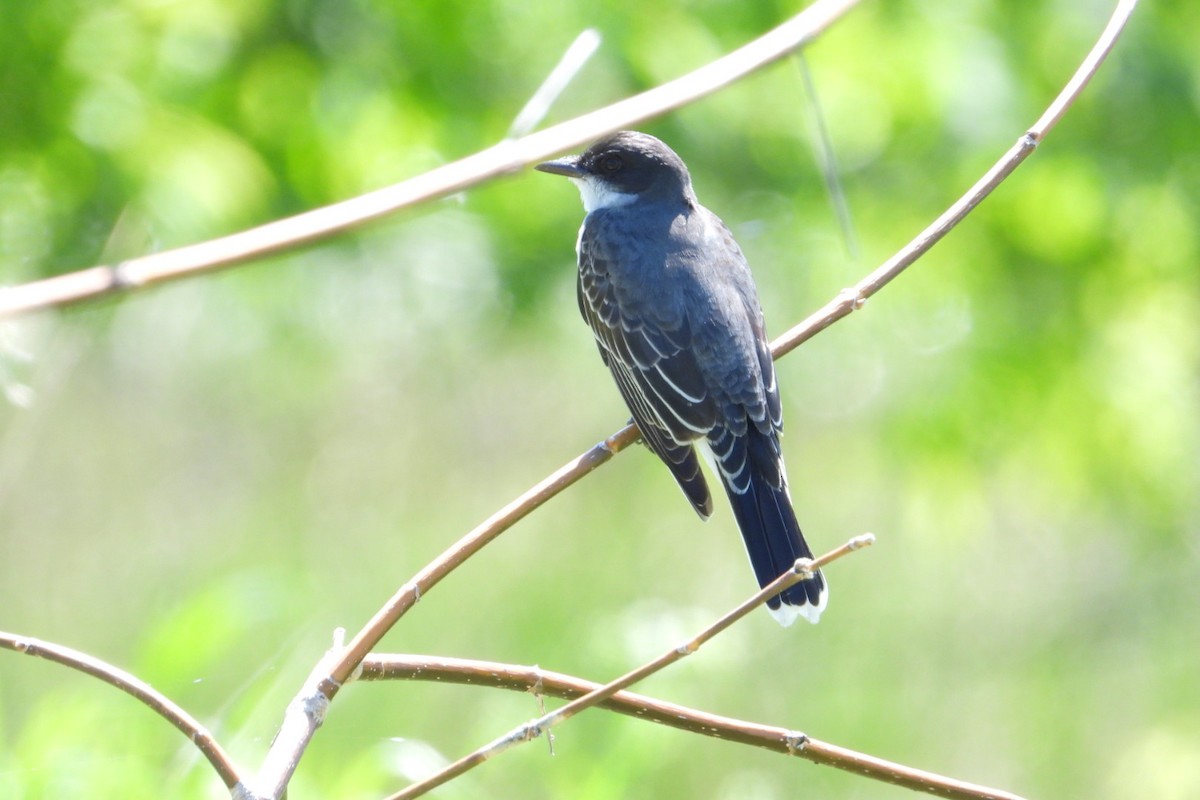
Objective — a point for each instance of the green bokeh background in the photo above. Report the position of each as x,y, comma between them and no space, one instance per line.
201,481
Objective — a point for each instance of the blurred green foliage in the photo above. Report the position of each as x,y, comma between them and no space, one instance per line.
200,482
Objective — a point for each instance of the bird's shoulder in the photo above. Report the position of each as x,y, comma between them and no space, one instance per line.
675,300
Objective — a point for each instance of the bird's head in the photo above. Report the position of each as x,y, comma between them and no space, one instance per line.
623,168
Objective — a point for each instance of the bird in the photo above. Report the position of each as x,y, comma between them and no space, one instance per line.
675,314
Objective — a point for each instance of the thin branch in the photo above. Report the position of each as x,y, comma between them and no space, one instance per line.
827,159
560,77
306,711
803,570
473,542
853,299
1083,75
538,681
502,158
301,719
143,692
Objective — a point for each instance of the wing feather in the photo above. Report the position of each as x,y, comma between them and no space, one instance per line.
655,371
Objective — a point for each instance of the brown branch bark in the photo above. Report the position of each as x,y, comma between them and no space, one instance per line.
140,690
770,737
852,299
502,158
802,571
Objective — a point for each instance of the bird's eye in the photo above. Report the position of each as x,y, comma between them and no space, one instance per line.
611,163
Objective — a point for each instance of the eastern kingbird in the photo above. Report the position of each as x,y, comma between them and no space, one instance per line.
670,299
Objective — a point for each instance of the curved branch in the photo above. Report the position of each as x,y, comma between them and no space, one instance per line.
147,695
780,740
853,299
502,158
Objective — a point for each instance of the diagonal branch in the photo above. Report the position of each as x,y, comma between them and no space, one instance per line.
138,689
502,158
770,737
803,570
853,299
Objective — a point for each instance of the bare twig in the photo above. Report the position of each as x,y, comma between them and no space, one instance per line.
147,695
302,718
827,160
502,158
474,541
780,740
564,71
853,299
803,570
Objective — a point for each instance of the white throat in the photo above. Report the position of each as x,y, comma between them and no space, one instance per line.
597,194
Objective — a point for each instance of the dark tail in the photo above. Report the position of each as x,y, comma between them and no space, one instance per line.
769,528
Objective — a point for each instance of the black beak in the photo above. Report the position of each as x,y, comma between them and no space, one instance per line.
568,166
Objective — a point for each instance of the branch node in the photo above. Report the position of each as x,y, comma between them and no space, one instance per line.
537,687
804,567
852,297
859,542
530,730
315,707
123,279
242,792
795,741
414,588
